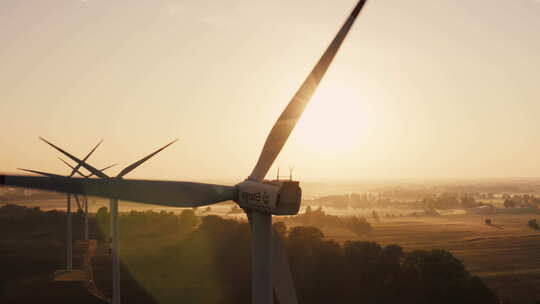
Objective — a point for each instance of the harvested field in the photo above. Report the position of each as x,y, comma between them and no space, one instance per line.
506,254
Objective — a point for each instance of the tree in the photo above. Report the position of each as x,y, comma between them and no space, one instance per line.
533,224
305,235
437,276
186,221
280,228
508,203
103,221
375,215
358,225
468,202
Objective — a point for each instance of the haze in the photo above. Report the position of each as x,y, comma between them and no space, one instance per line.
420,89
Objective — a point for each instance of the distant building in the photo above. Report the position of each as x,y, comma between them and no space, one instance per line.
489,209
485,209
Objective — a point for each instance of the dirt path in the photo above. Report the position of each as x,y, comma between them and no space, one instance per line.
86,266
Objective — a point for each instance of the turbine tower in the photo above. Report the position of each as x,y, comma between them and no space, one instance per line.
258,197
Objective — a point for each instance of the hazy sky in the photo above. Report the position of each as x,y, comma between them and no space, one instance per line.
420,89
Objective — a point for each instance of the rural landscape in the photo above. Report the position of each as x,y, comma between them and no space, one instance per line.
409,243
269,152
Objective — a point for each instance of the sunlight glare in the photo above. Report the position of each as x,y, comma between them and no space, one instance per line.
335,121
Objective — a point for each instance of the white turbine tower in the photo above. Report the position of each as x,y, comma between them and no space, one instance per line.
260,198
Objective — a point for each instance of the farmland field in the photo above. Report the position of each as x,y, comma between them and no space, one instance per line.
506,254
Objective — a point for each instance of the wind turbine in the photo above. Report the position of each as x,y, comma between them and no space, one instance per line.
258,197
113,207
113,204
69,232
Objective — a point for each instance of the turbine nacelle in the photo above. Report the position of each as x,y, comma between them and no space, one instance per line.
275,197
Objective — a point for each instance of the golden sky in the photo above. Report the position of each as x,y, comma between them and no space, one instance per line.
420,88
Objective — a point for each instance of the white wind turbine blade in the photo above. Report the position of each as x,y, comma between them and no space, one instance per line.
98,172
85,158
74,169
79,172
40,172
106,168
139,162
57,175
95,171
78,202
163,193
288,119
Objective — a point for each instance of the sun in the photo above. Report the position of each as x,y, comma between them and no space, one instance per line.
335,121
